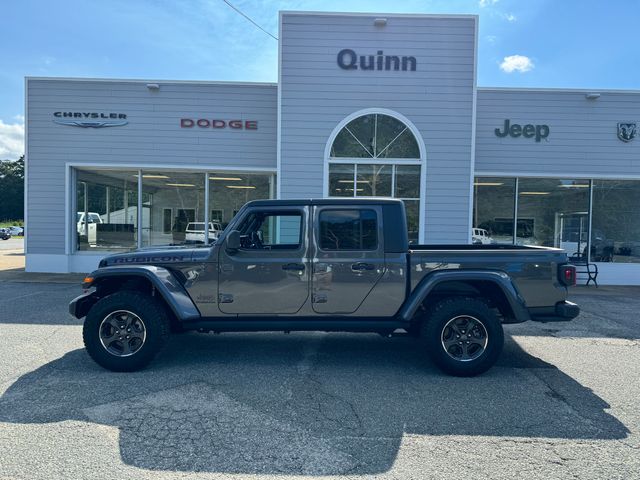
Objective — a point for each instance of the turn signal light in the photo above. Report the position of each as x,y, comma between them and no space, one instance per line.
87,281
567,275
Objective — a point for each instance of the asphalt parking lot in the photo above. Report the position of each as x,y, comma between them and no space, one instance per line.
14,243
563,402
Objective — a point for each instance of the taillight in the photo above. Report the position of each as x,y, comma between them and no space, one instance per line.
567,275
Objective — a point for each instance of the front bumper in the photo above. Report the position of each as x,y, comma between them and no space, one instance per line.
80,306
560,312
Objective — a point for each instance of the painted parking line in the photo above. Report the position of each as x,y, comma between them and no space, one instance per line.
20,296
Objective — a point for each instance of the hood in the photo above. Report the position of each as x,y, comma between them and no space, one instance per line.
157,256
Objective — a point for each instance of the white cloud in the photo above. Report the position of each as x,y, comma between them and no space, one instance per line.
509,17
486,3
491,38
516,63
11,140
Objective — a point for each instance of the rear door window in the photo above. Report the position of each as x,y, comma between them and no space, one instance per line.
348,229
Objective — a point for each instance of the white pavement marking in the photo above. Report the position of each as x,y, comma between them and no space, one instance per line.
20,296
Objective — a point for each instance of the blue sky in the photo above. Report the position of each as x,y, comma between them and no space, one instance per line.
535,43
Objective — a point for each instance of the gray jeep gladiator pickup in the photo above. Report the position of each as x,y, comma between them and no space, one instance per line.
329,265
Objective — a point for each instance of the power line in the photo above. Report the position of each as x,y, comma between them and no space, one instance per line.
248,18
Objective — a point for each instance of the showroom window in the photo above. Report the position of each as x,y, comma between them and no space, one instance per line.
229,192
106,211
175,196
615,225
493,210
377,155
174,208
595,220
554,213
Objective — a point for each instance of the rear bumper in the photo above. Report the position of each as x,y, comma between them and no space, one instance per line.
560,312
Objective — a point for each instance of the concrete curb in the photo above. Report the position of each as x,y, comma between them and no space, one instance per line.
20,276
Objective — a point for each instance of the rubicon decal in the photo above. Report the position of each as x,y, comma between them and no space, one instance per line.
150,259
90,119
218,124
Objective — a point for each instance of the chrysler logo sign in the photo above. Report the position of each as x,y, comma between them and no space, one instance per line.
90,119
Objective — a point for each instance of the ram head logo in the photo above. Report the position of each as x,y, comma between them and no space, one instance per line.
627,131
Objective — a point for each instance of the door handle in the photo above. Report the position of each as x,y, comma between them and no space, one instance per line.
361,266
299,267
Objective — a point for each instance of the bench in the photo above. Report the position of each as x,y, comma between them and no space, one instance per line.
585,268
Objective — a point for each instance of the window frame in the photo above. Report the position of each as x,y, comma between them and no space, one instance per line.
164,225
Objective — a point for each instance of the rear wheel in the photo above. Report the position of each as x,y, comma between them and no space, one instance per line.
125,331
463,336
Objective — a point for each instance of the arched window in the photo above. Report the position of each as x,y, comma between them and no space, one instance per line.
375,136
377,155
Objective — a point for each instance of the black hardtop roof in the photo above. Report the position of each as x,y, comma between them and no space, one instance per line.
323,201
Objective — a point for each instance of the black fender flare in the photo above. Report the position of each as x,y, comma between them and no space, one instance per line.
165,283
430,281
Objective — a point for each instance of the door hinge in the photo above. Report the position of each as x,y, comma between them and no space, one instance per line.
225,298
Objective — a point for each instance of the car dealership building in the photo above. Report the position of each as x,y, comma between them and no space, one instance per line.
365,105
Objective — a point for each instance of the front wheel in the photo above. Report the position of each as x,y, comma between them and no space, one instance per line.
125,331
463,336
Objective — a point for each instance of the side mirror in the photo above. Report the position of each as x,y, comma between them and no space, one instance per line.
232,242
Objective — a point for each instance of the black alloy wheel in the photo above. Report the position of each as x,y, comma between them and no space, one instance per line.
463,336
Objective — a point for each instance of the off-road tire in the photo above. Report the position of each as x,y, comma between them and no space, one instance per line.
155,320
441,314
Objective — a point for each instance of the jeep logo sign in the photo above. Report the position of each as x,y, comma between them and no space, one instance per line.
527,131
350,60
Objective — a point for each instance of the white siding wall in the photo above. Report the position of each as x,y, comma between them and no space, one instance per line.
438,98
152,138
582,141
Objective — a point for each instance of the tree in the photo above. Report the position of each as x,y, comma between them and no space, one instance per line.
12,189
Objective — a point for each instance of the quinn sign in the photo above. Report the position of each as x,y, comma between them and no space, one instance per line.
349,60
